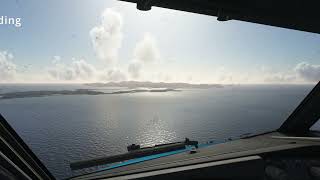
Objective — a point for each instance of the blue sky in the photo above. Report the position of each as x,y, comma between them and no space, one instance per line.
54,44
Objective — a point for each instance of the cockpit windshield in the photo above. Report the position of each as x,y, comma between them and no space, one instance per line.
85,79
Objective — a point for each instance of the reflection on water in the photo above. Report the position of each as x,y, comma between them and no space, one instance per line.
62,129
155,132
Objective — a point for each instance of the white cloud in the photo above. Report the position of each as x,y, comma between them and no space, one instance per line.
107,37
134,69
301,73
280,78
164,77
56,59
77,70
145,54
308,72
114,75
8,69
146,50
224,75
82,71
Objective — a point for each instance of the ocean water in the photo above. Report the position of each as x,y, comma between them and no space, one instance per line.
64,128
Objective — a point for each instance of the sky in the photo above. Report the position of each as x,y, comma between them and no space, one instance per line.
79,41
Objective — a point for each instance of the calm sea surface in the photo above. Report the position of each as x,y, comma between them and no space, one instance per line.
65,128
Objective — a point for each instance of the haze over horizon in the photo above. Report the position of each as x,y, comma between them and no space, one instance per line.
111,41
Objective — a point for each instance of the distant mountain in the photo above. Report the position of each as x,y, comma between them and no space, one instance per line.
148,84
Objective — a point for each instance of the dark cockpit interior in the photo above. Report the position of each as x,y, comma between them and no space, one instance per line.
290,152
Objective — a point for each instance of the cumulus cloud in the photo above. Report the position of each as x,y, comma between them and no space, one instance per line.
107,37
280,78
308,72
301,73
77,70
223,75
145,54
8,69
114,75
82,71
56,59
134,69
146,50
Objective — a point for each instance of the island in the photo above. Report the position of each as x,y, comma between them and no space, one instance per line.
28,94
126,88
